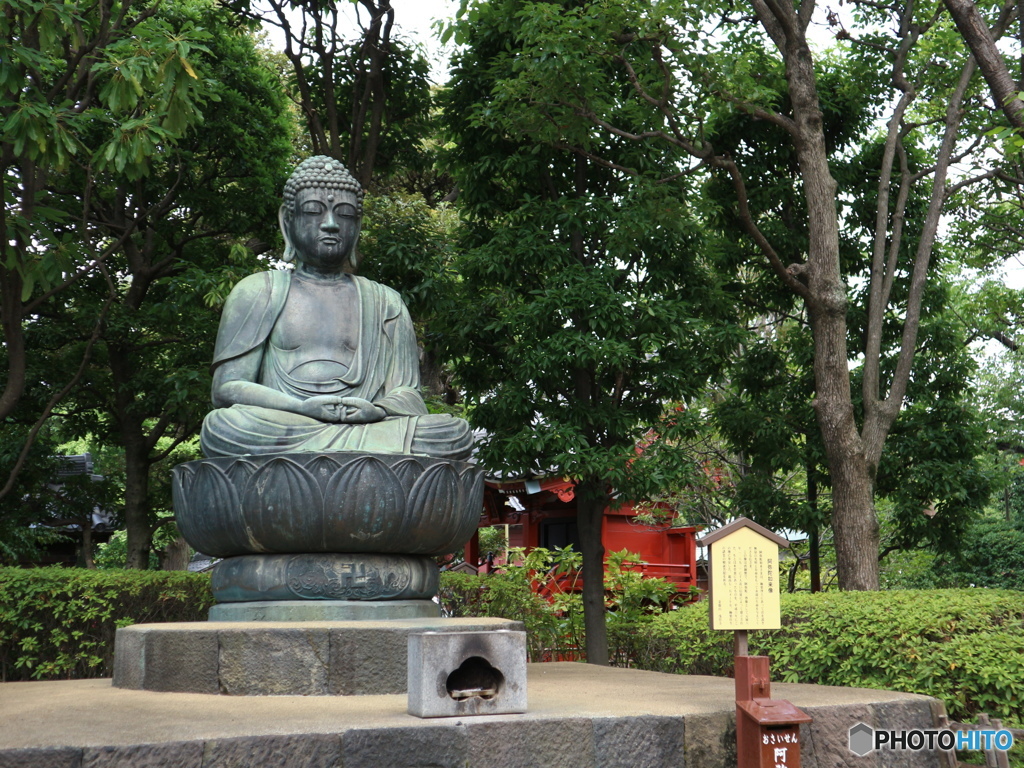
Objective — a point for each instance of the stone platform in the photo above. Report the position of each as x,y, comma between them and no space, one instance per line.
270,658
578,716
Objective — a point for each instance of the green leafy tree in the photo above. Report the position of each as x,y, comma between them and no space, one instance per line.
588,76
364,102
21,536
992,557
588,300
408,245
97,86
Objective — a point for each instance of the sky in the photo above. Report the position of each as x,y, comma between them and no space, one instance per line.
414,20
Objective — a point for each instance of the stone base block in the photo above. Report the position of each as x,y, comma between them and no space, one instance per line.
454,674
325,610
277,658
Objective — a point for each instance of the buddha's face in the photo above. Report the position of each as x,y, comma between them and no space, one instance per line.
324,227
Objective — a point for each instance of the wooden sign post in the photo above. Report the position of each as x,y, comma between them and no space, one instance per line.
743,574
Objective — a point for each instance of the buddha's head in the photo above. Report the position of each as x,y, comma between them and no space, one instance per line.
321,214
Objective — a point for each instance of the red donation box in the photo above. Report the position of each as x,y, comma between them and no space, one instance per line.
767,729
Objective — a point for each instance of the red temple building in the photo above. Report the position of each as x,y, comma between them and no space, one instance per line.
542,513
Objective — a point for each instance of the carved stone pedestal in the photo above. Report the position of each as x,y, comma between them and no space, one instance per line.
333,528
328,567
324,576
291,503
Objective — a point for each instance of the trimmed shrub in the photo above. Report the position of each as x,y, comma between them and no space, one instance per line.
59,623
554,623
463,594
553,629
965,647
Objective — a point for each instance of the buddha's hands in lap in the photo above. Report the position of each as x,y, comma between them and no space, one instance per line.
358,411
327,408
342,410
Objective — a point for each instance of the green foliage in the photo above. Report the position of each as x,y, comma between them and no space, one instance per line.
1014,498
930,458
591,299
19,510
105,86
404,122
909,569
141,82
58,623
633,601
644,90
493,541
587,299
541,590
991,555
965,647
553,629
113,554
406,245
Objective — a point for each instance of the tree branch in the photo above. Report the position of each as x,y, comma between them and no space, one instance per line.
56,398
885,414
979,39
878,296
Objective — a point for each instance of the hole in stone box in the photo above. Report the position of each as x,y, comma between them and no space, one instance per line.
474,677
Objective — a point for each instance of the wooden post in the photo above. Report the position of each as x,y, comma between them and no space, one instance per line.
739,643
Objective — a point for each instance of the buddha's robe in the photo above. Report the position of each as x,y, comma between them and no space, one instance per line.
383,369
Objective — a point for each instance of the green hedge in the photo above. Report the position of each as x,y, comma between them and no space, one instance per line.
59,623
551,633
965,647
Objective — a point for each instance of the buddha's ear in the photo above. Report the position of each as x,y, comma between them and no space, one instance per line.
289,249
354,255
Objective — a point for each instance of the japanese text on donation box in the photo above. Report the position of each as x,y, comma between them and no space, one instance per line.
745,582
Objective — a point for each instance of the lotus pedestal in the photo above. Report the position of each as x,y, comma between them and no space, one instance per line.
326,536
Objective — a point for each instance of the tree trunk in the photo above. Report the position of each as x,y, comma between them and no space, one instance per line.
854,523
815,558
85,556
853,511
136,505
853,515
812,530
11,285
14,339
137,461
175,556
591,498
433,378
370,94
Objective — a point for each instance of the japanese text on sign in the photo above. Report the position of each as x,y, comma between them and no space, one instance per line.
744,582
